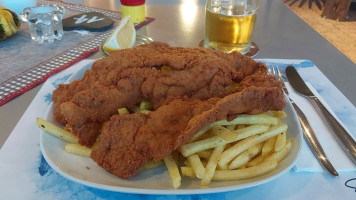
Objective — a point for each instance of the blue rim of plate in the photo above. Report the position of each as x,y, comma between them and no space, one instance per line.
140,39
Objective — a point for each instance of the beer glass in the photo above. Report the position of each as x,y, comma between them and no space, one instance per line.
229,24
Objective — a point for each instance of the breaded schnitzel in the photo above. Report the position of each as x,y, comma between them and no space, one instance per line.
126,77
129,141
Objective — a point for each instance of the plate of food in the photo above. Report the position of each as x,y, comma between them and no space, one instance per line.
184,140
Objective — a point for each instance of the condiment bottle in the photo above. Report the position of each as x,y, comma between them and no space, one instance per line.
134,8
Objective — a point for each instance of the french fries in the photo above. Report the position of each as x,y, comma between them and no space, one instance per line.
249,172
56,131
222,138
244,144
187,171
279,155
78,149
280,141
122,111
246,147
211,165
246,156
262,118
146,105
197,165
138,109
268,146
173,170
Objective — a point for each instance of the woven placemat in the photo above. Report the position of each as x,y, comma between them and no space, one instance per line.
25,63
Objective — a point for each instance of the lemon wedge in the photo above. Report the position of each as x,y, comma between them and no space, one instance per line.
123,36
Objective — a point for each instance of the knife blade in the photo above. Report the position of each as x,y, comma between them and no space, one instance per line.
345,140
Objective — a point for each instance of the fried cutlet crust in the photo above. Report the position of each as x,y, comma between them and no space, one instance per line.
128,141
128,76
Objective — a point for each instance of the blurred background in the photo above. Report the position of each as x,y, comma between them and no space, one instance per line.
342,34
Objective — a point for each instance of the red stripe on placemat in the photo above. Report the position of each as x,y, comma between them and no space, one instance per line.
45,77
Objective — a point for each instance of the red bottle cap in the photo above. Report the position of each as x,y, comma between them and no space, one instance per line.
132,2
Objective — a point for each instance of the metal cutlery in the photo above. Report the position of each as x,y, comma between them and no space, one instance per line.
345,140
307,130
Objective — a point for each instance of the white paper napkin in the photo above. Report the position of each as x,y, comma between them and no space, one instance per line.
307,162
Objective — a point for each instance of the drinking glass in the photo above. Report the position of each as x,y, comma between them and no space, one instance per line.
229,24
45,22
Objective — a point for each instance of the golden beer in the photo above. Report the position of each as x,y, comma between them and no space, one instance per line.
229,32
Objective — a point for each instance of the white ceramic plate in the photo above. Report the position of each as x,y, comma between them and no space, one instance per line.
87,172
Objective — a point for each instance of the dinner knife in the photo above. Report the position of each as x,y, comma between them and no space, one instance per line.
343,137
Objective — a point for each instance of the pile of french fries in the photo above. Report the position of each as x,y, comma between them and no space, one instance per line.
248,146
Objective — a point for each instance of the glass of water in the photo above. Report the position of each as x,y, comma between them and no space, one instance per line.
45,22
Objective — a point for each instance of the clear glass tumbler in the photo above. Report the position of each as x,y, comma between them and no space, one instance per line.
45,22
229,24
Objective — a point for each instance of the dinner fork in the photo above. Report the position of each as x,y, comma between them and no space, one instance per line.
307,130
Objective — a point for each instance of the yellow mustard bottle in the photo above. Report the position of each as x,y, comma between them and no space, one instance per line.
135,8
